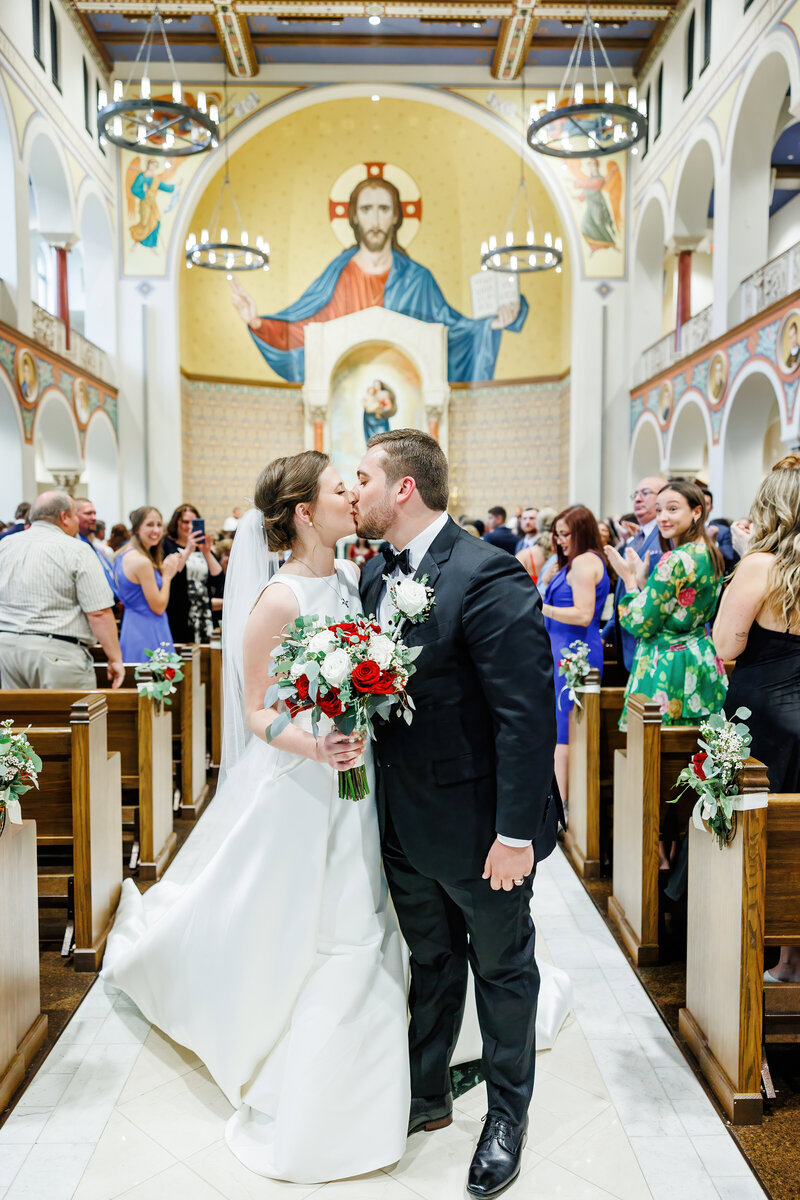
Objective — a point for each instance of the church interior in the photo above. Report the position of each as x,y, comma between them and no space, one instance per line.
590,281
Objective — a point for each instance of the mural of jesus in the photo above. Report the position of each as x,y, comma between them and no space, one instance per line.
377,272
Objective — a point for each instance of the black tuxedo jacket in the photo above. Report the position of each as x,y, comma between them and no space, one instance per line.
477,759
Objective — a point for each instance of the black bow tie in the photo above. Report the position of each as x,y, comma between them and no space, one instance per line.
396,562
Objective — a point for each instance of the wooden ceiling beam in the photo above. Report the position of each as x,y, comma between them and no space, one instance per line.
415,41
233,34
513,43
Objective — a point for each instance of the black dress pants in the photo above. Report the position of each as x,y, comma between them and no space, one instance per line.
446,925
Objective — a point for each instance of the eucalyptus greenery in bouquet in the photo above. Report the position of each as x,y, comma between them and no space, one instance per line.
724,747
19,772
574,666
164,666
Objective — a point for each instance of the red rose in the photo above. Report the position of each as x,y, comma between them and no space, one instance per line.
686,597
331,705
697,762
386,685
366,675
169,672
375,628
302,687
348,628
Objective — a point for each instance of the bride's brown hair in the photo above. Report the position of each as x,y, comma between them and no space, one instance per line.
282,485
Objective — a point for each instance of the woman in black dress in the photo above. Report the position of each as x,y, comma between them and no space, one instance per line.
189,608
758,625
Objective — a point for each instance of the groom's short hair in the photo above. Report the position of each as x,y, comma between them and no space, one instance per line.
417,454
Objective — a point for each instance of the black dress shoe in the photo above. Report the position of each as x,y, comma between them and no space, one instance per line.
496,1162
430,1114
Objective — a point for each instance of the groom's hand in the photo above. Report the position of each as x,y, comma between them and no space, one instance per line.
504,864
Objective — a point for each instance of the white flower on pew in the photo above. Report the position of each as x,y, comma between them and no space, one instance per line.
724,748
574,666
156,678
19,770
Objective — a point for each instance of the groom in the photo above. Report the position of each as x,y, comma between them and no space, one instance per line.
467,800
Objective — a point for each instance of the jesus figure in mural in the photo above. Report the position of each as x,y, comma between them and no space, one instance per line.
377,272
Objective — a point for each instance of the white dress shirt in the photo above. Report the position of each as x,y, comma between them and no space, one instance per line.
417,548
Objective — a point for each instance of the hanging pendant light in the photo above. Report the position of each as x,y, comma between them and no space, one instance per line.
573,124
214,250
516,251
152,125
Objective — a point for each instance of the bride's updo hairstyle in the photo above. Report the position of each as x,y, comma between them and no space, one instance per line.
282,485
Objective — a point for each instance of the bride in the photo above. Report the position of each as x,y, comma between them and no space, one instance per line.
270,948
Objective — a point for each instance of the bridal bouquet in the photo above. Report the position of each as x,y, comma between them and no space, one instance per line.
574,666
724,747
350,671
19,772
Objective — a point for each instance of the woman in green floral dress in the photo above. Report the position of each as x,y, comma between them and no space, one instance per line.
667,611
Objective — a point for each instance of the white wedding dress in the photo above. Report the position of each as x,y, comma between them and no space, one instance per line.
270,948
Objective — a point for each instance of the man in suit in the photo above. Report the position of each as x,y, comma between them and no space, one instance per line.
720,532
644,542
497,532
467,799
21,520
87,526
528,529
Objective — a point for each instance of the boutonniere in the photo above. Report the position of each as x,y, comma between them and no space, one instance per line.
411,599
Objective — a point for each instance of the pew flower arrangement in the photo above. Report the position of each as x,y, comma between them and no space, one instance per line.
164,666
724,747
19,772
574,666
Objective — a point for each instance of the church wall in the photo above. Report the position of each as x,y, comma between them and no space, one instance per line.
230,431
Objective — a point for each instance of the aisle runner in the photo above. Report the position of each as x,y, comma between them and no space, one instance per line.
117,1110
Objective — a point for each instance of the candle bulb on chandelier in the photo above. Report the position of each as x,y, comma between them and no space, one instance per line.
201,101
509,238
244,237
632,97
102,99
579,93
176,92
118,90
145,92
213,112
223,234
529,237
204,236
609,92
551,101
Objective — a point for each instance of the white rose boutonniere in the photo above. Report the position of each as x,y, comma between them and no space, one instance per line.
411,599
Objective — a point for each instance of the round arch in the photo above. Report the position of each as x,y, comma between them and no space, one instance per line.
747,436
648,272
692,224
99,270
56,439
689,439
102,475
758,108
646,450
12,439
8,203
46,165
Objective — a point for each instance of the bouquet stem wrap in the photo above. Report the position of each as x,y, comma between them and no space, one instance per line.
353,783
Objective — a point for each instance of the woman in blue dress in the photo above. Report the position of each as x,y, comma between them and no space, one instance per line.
573,606
143,583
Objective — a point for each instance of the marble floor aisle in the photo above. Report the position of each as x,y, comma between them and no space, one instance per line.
119,1111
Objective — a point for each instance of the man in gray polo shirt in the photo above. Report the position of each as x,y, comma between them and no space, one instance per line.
54,604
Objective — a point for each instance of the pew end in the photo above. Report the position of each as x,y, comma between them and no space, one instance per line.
189,731
592,742
211,673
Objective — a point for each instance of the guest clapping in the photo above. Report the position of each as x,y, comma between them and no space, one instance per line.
143,585
758,625
189,608
572,607
645,543
675,662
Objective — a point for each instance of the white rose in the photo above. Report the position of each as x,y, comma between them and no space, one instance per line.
321,641
410,597
381,650
335,667
297,669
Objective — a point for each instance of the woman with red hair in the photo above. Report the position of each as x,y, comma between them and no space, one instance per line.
573,606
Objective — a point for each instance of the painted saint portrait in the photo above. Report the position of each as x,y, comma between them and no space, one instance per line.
665,402
80,397
717,377
143,182
600,194
27,377
376,272
789,343
379,403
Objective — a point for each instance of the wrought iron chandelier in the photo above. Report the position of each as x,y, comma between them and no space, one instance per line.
155,125
575,125
517,252
214,250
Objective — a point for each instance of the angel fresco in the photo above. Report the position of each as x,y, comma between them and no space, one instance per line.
144,179
601,195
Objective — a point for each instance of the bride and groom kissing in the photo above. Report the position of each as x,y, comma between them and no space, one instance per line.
271,948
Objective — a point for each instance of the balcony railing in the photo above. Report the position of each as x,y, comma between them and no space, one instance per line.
696,332
655,358
50,331
770,283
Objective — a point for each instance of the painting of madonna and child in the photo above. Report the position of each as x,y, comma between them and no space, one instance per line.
377,272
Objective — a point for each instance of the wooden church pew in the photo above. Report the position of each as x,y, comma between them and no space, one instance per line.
644,779
78,814
23,1026
189,733
142,736
730,1012
211,674
592,742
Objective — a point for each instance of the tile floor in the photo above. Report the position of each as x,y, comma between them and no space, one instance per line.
117,1110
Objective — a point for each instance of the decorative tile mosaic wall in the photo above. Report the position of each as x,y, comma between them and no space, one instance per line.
508,443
